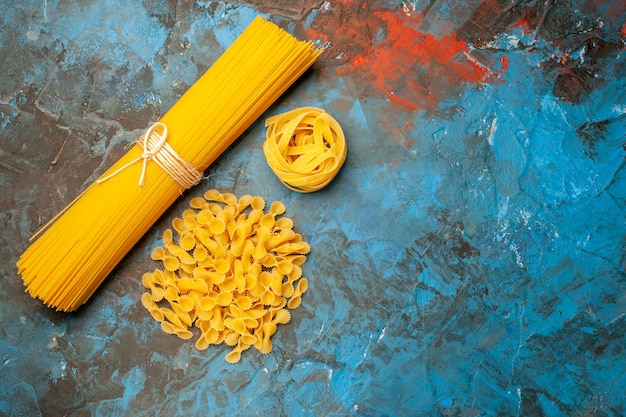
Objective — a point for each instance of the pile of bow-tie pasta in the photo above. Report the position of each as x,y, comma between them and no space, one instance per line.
231,270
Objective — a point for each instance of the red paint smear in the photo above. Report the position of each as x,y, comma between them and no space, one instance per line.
413,69
504,64
525,26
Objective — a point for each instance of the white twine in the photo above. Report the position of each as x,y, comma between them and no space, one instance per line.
156,148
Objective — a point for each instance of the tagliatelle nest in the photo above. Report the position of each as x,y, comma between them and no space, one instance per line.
305,148
232,270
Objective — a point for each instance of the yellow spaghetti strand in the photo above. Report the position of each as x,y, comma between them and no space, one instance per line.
79,247
305,148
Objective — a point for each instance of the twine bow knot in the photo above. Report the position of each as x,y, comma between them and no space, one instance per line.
156,148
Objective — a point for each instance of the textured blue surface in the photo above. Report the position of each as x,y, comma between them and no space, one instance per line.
468,260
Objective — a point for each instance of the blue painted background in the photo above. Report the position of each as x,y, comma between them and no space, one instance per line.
468,260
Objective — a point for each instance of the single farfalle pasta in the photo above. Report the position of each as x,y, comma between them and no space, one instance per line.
305,148
230,270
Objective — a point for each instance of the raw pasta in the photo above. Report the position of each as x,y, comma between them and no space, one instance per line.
233,283
305,148
78,248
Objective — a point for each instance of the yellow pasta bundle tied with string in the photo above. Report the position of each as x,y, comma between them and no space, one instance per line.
231,270
77,249
305,148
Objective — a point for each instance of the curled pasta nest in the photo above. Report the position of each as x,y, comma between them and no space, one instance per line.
232,271
305,148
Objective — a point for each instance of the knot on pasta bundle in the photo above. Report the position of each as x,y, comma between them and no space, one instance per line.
305,148
156,148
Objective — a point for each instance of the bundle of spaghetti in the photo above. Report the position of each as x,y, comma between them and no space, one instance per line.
73,254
